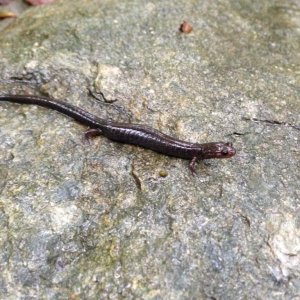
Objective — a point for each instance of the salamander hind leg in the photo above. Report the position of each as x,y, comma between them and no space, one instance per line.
192,165
90,133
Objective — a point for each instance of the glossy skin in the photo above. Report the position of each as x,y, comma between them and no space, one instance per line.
134,134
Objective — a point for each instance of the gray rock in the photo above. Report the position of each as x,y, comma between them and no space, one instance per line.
112,221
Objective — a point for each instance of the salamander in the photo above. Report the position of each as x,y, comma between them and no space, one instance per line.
135,134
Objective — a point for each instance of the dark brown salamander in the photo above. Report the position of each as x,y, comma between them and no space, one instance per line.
135,134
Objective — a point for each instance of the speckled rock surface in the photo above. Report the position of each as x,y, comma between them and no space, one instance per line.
112,221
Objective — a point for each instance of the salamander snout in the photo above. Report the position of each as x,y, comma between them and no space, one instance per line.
217,150
226,150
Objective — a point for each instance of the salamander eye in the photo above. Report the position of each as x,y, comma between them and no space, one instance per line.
224,151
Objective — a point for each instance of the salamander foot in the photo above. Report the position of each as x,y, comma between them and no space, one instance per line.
90,133
192,165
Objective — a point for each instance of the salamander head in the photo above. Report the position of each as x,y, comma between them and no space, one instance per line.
217,150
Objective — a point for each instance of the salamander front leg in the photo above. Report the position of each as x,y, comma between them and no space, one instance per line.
192,165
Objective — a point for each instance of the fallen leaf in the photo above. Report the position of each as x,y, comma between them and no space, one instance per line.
4,2
7,14
185,27
38,2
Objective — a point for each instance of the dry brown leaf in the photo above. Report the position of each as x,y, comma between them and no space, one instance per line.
7,14
38,2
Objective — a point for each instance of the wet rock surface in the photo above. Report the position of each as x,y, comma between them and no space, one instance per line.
81,220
